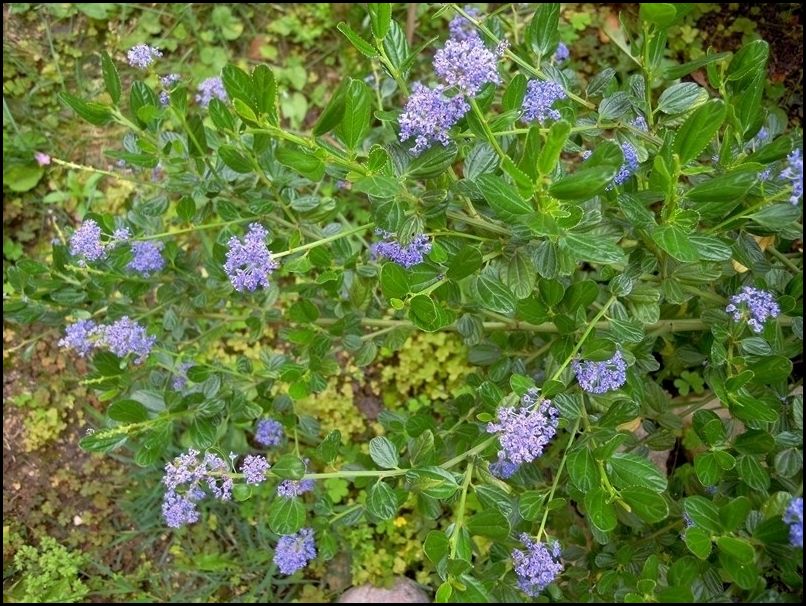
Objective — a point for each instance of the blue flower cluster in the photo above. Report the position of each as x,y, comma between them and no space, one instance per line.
255,468
146,257
122,337
562,54
538,566
86,242
269,433
463,65
629,166
794,517
601,377
294,551
186,479
794,174
249,263
759,304
142,55
180,379
525,431
539,99
209,89
289,489
406,255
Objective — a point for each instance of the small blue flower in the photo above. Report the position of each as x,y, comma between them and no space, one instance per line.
539,99
180,379
209,89
146,257
759,304
142,55
86,242
794,174
429,115
249,263
254,469
81,337
461,28
127,337
293,552
630,164
269,433
794,517
467,64
538,566
406,255
189,479
601,377
525,431
288,489
562,54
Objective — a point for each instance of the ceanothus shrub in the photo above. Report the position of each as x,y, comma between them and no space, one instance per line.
592,243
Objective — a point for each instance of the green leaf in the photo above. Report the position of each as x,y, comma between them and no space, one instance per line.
595,174
432,162
333,113
502,197
709,427
239,85
633,470
734,514
357,113
703,513
303,162
394,281
777,217
102,441
493,295
433,482
530,505
724,188
662,15
681,97
543,32
582,469
710,249
328,450
490,523
289,467
614,106
265,91
467,260
364,47
197,137
428,315
519,275
751,59
593,249
601,512
381,501
383,452
673,72
555,141
234,159
436,546
286,516
698,130
739,549
674,241
127,411
646,504
94,113
711,466
380,18
379,186
397,48
698,542
111,77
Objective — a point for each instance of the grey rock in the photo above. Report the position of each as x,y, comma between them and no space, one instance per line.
404,591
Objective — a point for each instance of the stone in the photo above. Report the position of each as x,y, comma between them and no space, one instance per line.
404,591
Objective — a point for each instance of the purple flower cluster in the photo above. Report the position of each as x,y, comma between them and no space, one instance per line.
503,469
125,337
640,124
147,258
180,379
288,489
142,55
185,481
121,234
759,304
269,433
538,101
169,80
81,337
406,255
249,263
794,517
794,173
86,242
467,64
562,54
121,338
42,159
630,164
538,566
254,469
601,377
294,551
525,431
461,28
209,89
429,115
